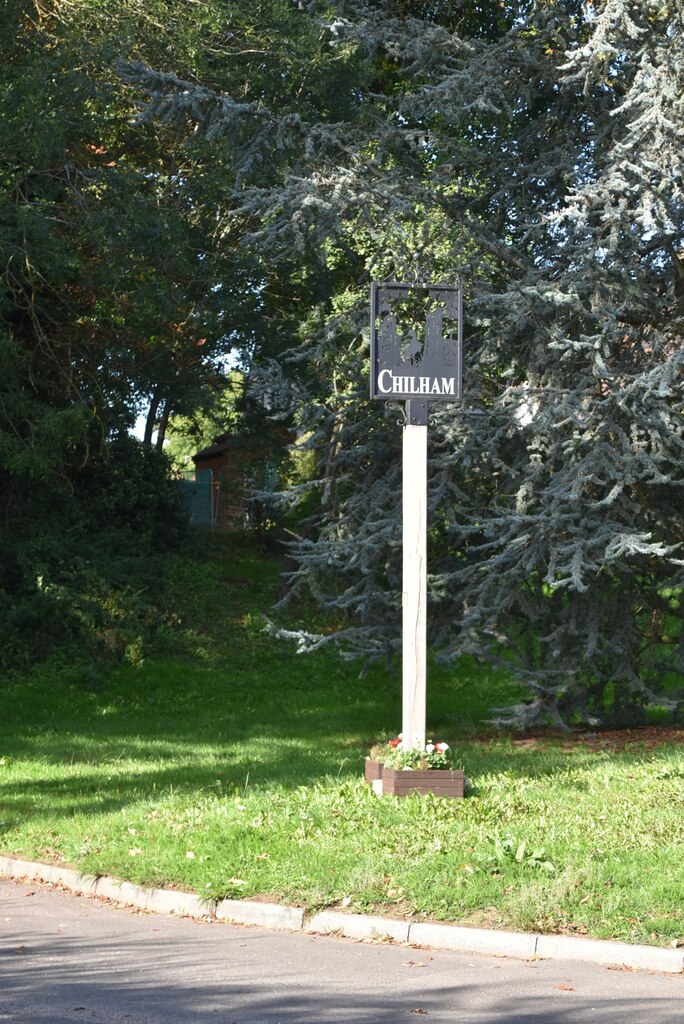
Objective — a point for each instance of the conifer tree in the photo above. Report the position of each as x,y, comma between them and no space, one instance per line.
533,151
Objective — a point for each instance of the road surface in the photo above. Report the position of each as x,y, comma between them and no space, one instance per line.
67,959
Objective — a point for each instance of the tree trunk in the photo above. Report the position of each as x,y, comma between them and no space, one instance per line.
151,417
163,424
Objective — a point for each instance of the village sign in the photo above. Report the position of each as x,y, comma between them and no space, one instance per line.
416,356
405,365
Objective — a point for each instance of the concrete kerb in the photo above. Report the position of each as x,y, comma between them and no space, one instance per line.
648,958
358,926
519,945
263,915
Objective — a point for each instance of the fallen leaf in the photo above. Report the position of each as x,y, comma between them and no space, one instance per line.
677,943
236,881
412,963
20,949
566,988
419,1009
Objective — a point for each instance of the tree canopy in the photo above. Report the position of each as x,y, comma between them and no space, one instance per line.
186,182
534,152
107,303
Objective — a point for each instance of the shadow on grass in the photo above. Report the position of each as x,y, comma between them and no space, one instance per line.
107,774
173,726
84,788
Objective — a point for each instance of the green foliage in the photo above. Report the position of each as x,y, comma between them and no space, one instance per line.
107,299
186,435
535,152
288,154
85,567
507,848
434,756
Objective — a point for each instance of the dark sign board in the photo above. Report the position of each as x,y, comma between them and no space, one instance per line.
416,341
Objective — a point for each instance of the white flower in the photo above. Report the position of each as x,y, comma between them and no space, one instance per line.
429,747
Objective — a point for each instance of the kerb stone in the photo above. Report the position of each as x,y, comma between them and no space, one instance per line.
12,868
169,901
473,940
264,915
122,892
357,926
649,958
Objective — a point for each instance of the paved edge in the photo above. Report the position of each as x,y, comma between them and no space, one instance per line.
519,945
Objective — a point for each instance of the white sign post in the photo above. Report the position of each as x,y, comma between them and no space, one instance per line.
403,367
414,584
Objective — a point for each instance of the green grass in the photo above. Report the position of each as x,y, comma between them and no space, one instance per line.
236,769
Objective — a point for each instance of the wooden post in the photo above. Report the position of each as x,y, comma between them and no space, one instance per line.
414,598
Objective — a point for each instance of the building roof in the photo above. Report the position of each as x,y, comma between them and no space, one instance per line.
219,445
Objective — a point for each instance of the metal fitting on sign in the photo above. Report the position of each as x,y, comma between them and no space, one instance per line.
417,412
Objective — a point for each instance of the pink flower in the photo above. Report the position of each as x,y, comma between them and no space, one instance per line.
395,743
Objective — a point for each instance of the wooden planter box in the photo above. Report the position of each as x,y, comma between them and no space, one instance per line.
373,770
395,782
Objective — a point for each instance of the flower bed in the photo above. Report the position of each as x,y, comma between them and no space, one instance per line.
373,770
439,781
401,781
396,771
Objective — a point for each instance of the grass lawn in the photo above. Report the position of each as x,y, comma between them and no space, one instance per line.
236,769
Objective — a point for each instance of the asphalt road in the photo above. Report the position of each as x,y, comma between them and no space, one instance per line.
67,959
